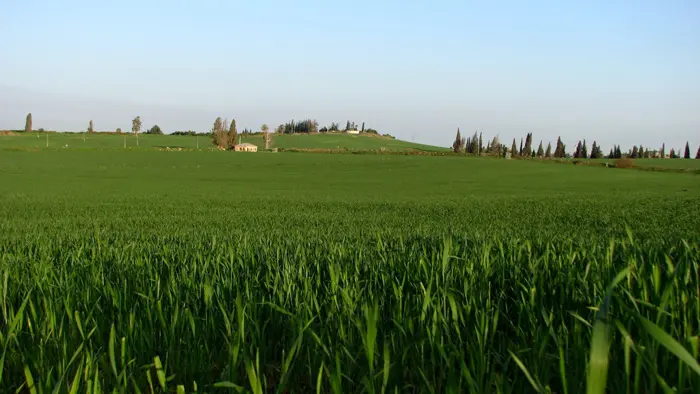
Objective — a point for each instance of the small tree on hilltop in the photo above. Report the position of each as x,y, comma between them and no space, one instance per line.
136,125
548,153
28,123
155,130
686,154
232,134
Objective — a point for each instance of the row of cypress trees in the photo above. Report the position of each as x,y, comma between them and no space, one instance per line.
474,145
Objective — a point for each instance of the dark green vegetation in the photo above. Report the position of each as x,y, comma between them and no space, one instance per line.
36,140
126,269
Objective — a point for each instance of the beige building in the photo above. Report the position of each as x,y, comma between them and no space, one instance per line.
245,147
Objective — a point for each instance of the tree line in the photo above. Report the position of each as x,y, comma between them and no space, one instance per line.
474,145
312,126
291,127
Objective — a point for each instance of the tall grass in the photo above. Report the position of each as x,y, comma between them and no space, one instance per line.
380,315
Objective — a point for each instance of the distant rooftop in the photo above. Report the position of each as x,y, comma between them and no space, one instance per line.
246,144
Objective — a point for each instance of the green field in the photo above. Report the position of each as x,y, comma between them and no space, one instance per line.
141,269
664,164
691,164
71,141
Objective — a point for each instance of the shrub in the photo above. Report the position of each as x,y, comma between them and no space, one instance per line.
624,163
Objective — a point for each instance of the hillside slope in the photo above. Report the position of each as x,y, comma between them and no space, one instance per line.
340,141
37,140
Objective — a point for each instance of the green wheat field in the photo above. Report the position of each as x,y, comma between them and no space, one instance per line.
139,271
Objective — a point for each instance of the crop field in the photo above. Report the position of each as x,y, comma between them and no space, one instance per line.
73,141
689,165
196,271
693,164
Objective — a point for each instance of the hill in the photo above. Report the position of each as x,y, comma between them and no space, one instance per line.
37,140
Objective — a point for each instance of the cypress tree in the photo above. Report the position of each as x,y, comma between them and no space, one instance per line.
673,154
662,154
28,123
475,143
561,149
577,152
468,145
584,151
481,145
90,128
520,152
611,154
697,155
635,152
548,153
495,146
686,154
457,145
528,145
540,150
514,149
232,134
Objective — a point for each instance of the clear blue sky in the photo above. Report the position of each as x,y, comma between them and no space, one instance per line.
615,71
